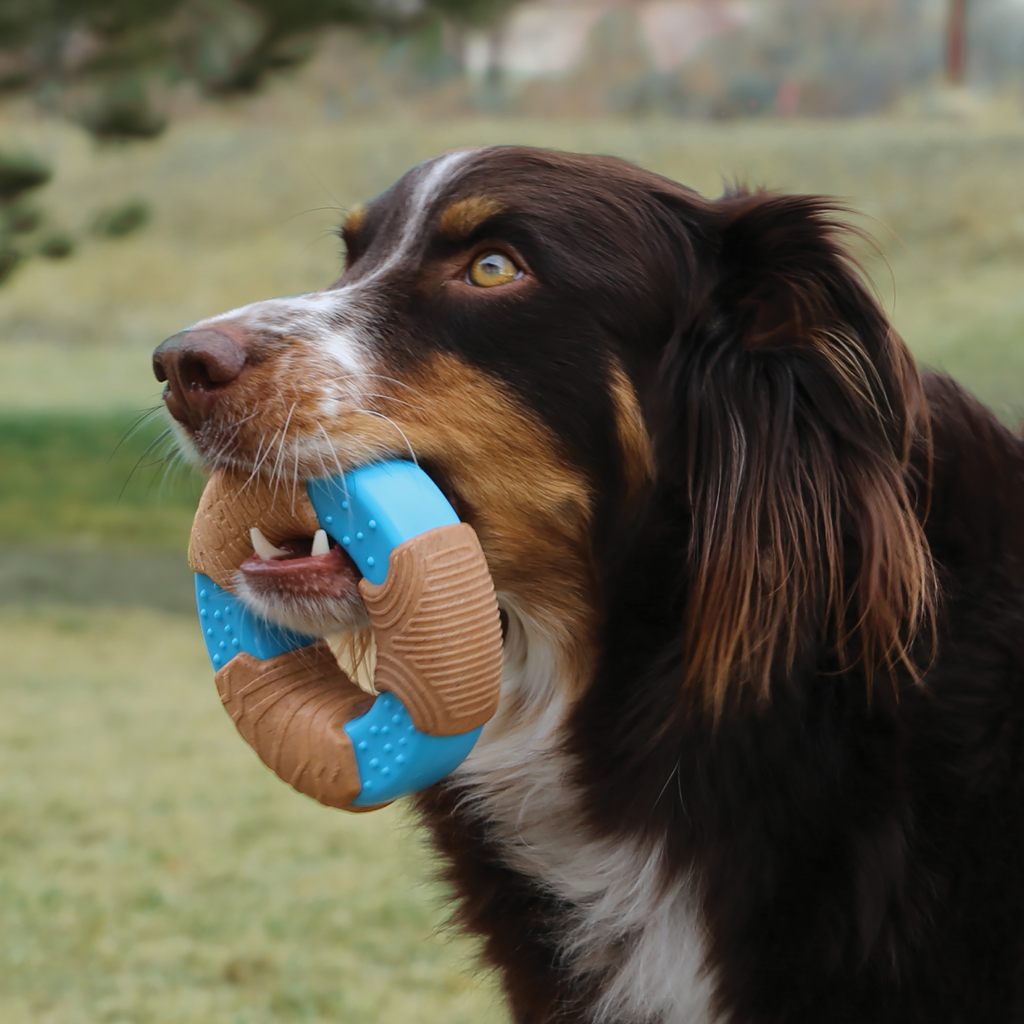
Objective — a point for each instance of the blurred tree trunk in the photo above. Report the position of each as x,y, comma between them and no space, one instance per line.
956,41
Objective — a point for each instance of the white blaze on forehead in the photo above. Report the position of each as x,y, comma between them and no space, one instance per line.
437,176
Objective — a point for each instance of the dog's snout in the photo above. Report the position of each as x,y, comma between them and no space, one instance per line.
197,366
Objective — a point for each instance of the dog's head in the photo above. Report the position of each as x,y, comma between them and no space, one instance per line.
678,426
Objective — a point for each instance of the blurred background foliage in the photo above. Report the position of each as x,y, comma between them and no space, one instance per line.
166,160
100,60
113,65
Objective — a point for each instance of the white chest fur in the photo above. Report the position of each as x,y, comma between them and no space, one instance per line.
641,936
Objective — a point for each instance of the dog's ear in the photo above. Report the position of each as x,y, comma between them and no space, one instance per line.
796,413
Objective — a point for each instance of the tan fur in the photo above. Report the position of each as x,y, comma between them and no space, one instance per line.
505,465
637,452
464,216
355,219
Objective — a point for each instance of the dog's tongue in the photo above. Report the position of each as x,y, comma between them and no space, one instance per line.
296,571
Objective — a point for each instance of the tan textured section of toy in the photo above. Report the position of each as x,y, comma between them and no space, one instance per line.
435,620
291,710
232,502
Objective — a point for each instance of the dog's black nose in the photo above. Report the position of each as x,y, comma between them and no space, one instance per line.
197,366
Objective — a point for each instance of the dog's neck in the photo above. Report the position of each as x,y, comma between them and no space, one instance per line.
630,928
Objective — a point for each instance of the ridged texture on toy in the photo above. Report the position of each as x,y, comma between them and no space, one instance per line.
291,710
435,620
232,502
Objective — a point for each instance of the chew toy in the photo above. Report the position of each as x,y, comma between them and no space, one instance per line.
431,604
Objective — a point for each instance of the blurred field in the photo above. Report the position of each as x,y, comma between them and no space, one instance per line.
246,209
152,872
101,479
93,507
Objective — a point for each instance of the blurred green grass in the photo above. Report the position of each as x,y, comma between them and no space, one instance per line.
99,480
153,872
94,509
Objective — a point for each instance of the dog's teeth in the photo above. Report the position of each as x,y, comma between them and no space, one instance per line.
263,547
321,545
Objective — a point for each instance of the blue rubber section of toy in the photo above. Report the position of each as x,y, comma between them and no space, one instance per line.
373,509
230,628
396,759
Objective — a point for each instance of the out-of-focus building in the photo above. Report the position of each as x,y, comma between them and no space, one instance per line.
542,38
732,57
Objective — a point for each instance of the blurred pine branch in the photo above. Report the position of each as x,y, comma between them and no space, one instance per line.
104,63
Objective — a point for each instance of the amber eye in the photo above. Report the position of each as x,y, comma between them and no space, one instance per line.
491,269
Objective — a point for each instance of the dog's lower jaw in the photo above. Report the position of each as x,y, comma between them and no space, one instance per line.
309,615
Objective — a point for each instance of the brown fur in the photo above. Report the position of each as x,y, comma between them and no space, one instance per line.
780,513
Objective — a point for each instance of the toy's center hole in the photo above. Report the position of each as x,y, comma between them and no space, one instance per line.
301,547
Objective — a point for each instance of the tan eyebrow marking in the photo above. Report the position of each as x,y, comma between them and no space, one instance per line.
465,215
355,219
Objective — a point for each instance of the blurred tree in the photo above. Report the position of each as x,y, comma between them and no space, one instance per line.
101,61
24,229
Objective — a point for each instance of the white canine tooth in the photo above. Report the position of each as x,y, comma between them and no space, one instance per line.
321,545
263,547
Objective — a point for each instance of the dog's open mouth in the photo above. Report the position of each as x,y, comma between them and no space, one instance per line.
303,567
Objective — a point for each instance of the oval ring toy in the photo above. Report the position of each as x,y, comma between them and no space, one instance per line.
432,608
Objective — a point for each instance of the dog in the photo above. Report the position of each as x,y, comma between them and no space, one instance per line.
759,754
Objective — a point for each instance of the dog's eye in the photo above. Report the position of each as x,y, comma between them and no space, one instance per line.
493,268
